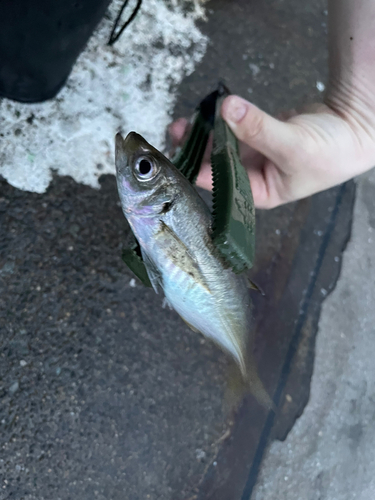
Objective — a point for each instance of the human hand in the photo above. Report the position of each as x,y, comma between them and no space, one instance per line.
307,153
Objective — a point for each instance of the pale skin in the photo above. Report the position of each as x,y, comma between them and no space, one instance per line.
327,144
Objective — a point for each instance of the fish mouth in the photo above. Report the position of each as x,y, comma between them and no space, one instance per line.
127,149
132,144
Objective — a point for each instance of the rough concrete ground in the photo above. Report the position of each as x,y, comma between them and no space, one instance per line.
329,454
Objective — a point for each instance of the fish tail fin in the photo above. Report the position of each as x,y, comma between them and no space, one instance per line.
257,388
240,383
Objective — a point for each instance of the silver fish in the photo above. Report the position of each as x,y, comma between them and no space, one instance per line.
172,225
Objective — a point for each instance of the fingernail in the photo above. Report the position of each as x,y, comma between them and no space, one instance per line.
235,110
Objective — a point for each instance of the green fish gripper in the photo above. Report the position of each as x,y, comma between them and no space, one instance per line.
233,216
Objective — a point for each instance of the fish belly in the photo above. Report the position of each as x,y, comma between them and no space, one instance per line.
198,307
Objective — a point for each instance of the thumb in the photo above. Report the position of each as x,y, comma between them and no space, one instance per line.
257,129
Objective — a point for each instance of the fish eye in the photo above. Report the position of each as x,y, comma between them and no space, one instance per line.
145,168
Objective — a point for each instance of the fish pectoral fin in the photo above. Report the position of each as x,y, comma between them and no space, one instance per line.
254,286
177,252
190,325
153,272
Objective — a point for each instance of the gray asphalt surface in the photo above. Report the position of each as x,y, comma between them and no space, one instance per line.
102,391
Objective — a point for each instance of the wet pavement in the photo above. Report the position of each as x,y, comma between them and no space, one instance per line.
105,394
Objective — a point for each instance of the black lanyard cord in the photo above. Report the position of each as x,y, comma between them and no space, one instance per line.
114,37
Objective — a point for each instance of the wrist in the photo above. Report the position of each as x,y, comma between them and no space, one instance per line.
351,40
354,102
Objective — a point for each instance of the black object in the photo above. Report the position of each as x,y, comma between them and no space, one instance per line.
115,35
40,41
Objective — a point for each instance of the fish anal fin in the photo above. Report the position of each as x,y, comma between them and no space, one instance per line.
190,325
166,303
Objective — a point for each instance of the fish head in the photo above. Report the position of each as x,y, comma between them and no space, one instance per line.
146,180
